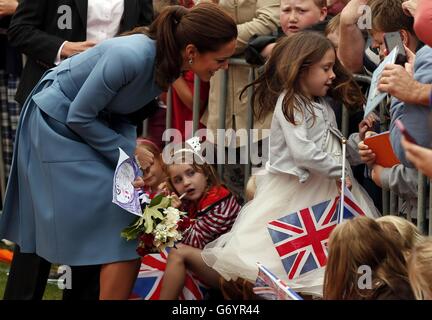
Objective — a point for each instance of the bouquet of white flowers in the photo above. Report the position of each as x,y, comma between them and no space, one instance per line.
160,225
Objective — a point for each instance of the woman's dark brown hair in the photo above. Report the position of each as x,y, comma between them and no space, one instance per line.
291,57
206,26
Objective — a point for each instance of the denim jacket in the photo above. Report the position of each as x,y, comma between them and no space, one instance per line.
300,149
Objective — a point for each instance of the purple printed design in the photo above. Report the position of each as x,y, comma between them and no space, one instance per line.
124,194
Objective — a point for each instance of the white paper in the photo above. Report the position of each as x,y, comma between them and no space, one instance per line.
375,96
124,194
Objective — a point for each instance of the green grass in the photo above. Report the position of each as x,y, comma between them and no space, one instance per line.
52,292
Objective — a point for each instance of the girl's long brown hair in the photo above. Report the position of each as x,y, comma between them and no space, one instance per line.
362,242
291,57
206,26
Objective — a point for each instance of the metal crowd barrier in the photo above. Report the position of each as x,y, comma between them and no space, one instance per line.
391,202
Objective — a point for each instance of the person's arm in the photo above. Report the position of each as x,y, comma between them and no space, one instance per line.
265,21
213,223
419,156
7,7
399,82
414,117
398,179
351,42
184,92
304,152
396,81
26,34
114,70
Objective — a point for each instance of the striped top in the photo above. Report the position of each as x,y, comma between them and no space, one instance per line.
215,214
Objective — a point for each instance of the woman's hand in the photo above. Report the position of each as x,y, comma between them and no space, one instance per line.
144,157
420,157
138,183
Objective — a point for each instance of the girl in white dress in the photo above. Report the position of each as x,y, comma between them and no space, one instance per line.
304,166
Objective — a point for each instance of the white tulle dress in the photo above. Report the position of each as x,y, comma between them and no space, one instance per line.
279,193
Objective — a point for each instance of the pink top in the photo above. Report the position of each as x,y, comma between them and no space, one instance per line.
423,21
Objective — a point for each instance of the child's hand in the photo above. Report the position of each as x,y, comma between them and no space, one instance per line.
163,187
348,184
366,124
175,201
376,174
366,154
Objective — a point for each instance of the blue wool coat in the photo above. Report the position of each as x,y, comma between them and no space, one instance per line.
58,199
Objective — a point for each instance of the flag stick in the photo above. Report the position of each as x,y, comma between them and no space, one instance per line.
342,197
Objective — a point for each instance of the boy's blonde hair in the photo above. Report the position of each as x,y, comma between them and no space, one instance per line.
420,269
402,230
333,25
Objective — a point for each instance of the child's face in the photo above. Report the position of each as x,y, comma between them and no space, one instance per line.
154,175
185,178
316,81
296,15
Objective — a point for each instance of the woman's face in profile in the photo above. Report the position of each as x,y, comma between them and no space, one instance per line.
205,65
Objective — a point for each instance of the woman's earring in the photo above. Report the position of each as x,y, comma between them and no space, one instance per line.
190,61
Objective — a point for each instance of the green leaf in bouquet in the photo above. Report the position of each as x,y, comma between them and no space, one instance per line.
151,213
156,200
132,231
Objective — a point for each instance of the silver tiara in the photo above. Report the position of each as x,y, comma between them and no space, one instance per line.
195,148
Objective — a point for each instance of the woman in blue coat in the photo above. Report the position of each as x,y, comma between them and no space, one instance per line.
58,199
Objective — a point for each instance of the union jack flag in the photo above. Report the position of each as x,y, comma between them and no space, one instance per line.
301,237
149,281
270,287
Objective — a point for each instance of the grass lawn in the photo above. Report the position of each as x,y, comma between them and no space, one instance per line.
52,292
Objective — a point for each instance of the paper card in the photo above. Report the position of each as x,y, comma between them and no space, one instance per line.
124,194
375,96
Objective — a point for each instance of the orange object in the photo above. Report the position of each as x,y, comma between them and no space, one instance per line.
381,146
6,255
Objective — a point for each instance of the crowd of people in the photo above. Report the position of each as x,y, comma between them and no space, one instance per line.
95,70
